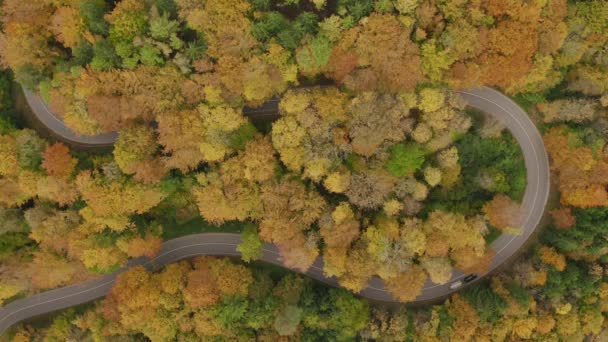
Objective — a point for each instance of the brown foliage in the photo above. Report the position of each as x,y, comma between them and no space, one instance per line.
340,228
148,246
288,211
377,118
117,97
50,229
133,300
407,285
150,171
179,133
369,190
503,213
35,11
383,45
25,38
49,270
113,112
215,278
509,52
57,161
468,262
563,217
201,289
341,63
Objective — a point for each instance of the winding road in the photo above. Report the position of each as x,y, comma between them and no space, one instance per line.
224,244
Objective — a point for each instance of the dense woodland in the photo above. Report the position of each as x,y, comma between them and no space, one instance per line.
372,163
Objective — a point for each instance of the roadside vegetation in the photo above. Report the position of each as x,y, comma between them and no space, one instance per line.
372,163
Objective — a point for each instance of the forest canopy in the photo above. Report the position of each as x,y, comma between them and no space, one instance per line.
364,170
373,162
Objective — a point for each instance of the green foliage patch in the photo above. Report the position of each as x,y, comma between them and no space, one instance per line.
489,304
405,159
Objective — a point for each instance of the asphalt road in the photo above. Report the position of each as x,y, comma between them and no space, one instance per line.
224,244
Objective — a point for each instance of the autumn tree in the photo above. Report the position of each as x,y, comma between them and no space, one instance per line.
569,110
57,190
393,62
8,291
467,320
551,257
68,26
127,20
57,161
386,324
133,302
225,24
110,202
232,190
370,189
52,230
338,229
133,145
415,279
135,152
465,237
8,156
563,217
201,290
26,40
193,136
117,98
49,270
368,129
288,211
578,171
309,126
503,213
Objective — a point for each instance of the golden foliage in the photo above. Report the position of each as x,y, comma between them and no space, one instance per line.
68,26
580,176
551,257
231,279
467,320
225,24
116,199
